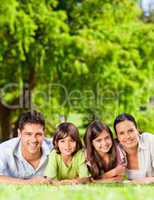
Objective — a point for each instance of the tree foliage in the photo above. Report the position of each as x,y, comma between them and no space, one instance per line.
88,56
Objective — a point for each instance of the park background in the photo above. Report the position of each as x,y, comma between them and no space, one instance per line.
76,60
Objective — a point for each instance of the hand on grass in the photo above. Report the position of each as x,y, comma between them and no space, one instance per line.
39,180
146,180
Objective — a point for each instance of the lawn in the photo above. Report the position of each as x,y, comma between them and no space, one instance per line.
77,192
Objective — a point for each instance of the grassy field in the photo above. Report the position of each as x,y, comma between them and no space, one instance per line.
77,192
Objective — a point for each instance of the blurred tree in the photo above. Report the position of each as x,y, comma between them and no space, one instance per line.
88,56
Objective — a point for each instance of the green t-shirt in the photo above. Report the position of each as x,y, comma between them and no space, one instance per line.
57,169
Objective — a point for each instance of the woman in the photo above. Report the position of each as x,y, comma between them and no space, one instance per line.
139,149
105,159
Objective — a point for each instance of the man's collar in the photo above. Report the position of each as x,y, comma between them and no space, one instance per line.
46,146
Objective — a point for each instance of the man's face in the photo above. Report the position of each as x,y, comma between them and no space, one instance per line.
32,136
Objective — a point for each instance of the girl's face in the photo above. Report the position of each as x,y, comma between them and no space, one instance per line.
67,146
127,134
102,143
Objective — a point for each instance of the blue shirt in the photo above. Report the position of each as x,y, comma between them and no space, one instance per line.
13,164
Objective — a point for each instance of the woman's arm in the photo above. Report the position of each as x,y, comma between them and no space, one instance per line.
145,180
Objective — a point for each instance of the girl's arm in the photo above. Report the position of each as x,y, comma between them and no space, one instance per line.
116,179
119,170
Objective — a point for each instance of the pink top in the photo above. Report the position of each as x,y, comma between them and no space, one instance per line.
120,154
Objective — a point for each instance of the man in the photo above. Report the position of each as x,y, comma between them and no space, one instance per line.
23,159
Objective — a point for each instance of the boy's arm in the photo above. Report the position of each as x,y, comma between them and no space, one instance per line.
51,168
72,181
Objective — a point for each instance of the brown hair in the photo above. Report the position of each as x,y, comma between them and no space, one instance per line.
32,117
95,162
67,129
123,117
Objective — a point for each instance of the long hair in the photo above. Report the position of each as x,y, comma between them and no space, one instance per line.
67,129
95,162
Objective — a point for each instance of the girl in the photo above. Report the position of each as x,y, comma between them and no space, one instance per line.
67,162
139,149
105,159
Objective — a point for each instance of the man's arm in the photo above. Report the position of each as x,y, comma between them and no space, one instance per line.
18,181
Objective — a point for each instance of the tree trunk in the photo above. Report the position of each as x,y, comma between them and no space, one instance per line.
5,127
23,102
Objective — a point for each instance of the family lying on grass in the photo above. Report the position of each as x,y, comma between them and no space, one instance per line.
31,158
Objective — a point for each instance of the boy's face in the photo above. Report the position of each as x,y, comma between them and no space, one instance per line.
66,146
32,136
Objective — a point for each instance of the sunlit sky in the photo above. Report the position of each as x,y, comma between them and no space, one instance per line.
147,5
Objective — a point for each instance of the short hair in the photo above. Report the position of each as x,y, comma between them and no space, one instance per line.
32,117
123,117
67,129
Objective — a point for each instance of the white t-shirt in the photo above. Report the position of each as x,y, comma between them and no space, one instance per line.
145,156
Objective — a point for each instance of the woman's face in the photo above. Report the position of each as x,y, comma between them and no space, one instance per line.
67,146
102,143
127,134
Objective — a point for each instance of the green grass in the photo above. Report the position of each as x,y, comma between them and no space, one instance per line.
77,192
